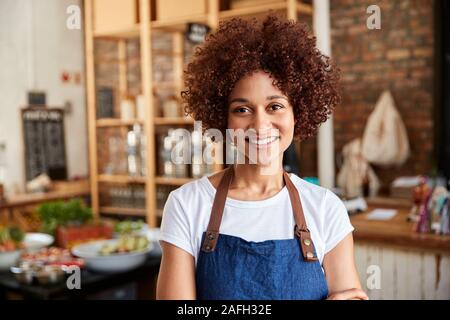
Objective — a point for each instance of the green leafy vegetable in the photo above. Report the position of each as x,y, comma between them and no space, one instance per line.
60,213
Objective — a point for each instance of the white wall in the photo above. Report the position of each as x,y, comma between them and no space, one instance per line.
35,47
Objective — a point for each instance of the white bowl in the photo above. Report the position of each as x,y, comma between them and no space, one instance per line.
9,259
119,262
154,235
34,242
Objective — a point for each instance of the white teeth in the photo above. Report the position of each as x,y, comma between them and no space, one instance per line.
263,141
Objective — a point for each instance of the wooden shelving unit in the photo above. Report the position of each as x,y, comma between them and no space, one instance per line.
172,181
178,24
124,211
131,32
120,179
173,121
112,122
141,26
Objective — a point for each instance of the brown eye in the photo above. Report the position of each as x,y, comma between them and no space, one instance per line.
275,107
240,110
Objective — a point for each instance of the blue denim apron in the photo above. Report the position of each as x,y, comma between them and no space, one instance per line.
231,268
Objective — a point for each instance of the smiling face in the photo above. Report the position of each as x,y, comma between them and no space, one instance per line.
259,108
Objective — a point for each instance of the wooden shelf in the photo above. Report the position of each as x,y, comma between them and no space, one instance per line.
123,211
162,121
172,181
178,24
169,53
129,60
165,85
60,190
132,32
122,179
226,14
110,122
305,8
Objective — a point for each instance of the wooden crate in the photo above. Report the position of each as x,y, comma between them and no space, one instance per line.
115,14
69,236
174,9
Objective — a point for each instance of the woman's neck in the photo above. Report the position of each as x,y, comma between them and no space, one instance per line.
257,179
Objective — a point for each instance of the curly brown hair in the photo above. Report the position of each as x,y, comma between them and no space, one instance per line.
281,47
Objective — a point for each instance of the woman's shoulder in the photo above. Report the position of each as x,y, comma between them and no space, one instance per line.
198,187
307,188
315,193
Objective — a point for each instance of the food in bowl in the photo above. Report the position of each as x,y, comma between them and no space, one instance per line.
23,274
27,273
125,244
10,246
52,256
129,227
50,274
47,266
11,239
113,260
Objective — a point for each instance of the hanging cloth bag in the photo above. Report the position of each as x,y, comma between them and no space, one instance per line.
385,141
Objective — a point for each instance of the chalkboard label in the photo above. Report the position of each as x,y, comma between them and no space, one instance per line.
44,143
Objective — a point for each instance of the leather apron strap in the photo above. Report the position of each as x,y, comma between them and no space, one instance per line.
301,229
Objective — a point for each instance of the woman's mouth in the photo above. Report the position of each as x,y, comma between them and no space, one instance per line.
262,143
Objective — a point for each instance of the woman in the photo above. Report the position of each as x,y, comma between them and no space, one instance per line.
252,231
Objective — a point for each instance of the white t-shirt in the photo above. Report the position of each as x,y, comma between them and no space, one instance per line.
187,211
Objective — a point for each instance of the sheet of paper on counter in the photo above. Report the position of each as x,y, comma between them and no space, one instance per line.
381,214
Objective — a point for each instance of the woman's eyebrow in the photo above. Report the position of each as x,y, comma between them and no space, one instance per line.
243,100
238,100
276,97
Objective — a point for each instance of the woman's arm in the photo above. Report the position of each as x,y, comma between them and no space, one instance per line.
341,274
176,279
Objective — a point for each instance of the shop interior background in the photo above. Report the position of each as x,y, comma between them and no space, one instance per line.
90,99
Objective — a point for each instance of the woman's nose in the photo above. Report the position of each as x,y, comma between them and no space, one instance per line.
261,122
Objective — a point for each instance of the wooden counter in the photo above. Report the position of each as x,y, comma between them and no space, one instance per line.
396,231
395,262
61,190
12,208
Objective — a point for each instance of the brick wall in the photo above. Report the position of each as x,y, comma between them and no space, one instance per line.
399,57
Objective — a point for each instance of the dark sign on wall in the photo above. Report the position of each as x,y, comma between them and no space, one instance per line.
37,98
45,151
